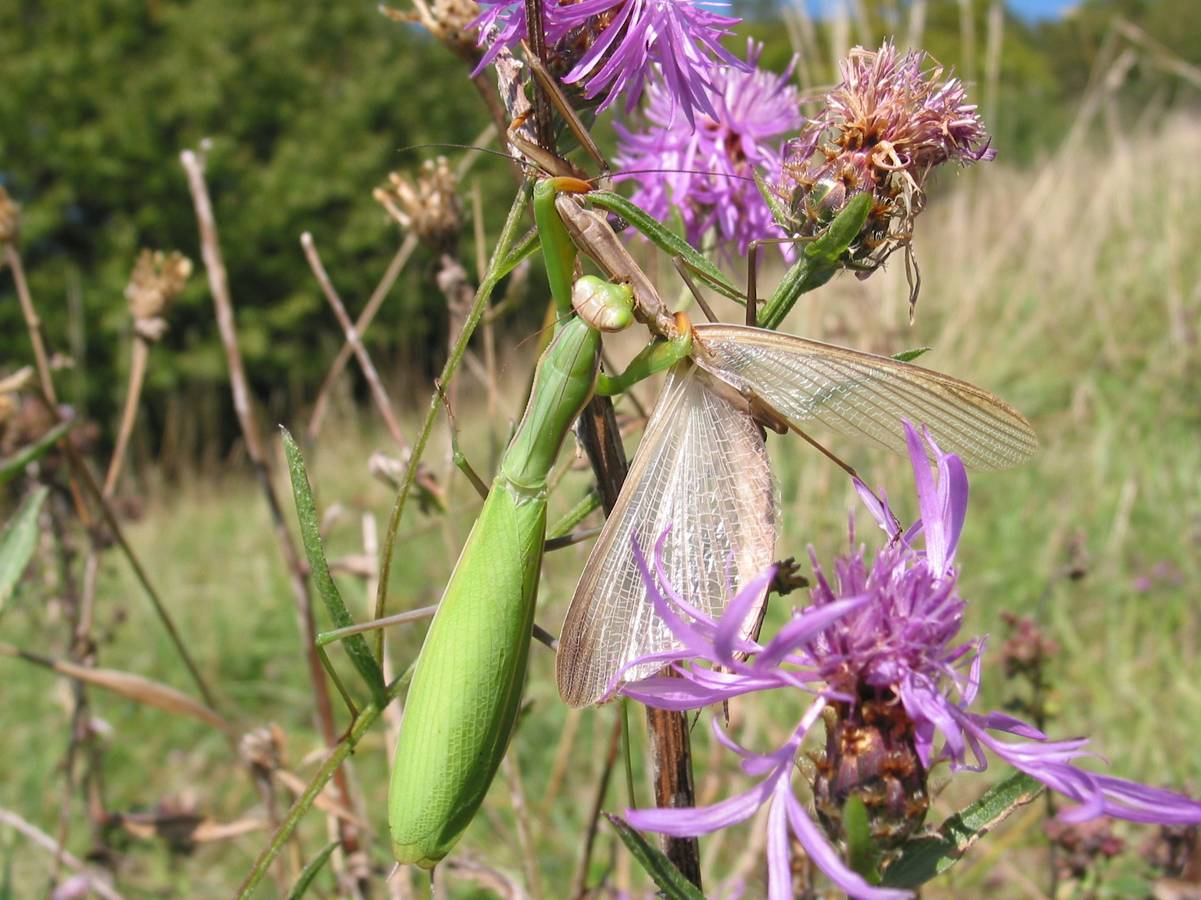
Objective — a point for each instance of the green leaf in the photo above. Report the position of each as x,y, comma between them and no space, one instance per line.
310,535
306,876
778,212
12,466
655,863
18,541
667,241
862,855
925,857
911,355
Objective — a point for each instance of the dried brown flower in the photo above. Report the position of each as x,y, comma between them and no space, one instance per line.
450,21
156,281
428,205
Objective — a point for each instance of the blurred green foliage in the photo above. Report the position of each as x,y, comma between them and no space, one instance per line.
309,106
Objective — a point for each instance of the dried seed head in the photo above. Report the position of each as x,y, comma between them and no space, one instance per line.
10,218
870,754
263,748
881,131
156,280
429,205
450,21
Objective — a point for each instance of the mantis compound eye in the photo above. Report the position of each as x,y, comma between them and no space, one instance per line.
604,305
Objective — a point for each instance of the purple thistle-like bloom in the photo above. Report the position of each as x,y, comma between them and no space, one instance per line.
704,169
881,131
879,646
612,47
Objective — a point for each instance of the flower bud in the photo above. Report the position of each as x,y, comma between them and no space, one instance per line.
870,754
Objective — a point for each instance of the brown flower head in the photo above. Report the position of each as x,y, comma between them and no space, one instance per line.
450,21
429,204
10,218
891,120
156,280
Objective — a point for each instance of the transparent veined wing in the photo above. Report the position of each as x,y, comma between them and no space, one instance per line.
702,469
864,395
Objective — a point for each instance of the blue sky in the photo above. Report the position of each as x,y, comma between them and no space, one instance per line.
1028,9
1039,9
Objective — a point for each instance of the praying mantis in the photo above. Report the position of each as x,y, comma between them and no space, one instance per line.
463,702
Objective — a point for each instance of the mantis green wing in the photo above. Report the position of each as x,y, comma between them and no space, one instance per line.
865,396
702,469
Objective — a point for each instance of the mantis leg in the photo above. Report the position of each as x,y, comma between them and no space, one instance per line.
457,455
558,250
657,356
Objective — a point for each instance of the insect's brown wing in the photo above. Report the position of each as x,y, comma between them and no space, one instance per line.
701,469
864,395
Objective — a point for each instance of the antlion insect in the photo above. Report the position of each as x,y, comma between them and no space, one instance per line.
702,466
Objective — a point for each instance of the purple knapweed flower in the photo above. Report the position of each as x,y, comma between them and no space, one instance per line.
879,647
881,130
704,169
612,47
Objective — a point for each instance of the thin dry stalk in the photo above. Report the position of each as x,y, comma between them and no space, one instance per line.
481,266
374,302
579,884
525,838
193,164
916,28
558,769
32,322
378,393
49,844
992,61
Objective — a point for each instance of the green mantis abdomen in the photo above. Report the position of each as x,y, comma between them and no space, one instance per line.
462,704
467,687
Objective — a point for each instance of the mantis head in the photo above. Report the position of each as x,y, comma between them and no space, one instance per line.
604,305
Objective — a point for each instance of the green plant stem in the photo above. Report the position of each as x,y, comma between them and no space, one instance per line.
338,755
800,279
504,258
628,752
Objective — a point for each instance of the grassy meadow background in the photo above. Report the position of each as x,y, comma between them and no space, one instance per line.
1064,277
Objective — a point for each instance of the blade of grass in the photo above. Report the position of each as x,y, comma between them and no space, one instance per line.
305,878
655,863
12,466
310,536
132,687
18,541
